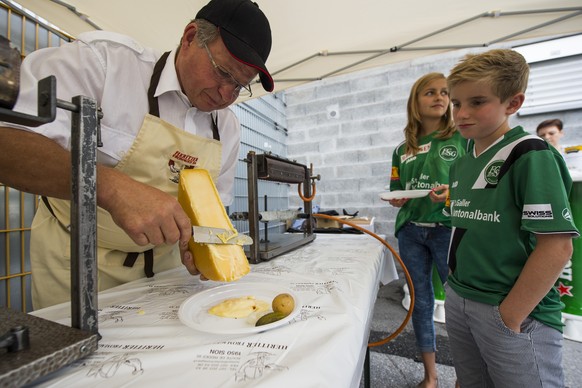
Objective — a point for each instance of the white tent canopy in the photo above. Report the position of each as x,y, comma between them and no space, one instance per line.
315,39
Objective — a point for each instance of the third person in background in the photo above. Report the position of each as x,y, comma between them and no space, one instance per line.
420,162
551,131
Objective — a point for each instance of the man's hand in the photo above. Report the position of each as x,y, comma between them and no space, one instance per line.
187,259
146,214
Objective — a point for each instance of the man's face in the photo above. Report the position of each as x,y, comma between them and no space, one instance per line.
210,86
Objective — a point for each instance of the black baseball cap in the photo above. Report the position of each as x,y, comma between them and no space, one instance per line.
246,33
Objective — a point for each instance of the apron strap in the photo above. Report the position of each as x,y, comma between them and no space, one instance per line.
215,134
148,259
50,209
153,101
48,205
148,266
154,81
130,259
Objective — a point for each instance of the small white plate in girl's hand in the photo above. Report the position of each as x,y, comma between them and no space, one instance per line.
401,194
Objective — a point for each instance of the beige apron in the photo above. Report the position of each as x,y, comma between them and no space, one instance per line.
155,158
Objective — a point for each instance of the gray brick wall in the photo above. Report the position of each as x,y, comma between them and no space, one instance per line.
348,126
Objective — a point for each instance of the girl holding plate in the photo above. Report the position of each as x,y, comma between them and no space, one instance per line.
419,164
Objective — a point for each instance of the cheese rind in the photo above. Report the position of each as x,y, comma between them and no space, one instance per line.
199,198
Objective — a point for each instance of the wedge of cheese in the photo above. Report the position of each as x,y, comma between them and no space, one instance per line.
199,198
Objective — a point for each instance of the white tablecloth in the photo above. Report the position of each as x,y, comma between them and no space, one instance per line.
144,344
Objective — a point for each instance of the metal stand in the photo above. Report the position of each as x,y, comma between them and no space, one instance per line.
272,168
84,215
50,341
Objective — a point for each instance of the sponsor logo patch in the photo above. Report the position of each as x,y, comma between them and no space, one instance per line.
537,212
423,149
394,174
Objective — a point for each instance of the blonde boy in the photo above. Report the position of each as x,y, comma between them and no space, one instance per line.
512,233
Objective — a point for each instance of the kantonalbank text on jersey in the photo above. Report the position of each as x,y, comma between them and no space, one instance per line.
474,214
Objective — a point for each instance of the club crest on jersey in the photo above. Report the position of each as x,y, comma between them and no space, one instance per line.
448,153
492,172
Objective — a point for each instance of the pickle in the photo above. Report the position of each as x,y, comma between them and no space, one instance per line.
270,318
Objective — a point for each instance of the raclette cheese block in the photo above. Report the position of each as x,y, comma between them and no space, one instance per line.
200,200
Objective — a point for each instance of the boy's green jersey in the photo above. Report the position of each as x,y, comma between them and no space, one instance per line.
499,201
425,170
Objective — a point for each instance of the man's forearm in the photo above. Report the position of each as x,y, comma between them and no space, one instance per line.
35,164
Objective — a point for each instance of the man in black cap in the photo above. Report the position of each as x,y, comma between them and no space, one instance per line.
161,113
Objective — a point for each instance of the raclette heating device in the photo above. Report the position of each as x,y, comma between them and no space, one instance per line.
270,167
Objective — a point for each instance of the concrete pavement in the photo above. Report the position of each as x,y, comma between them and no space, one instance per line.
395,364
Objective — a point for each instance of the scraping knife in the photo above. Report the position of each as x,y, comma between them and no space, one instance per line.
208,235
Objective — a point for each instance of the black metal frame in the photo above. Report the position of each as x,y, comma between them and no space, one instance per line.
85,138
273,168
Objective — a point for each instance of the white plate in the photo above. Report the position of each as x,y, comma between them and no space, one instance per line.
400,194
193,311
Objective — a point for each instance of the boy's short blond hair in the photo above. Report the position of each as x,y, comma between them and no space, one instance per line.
505,70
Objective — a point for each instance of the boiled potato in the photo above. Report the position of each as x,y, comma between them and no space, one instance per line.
283,303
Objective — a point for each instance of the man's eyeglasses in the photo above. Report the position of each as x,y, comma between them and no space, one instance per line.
223,75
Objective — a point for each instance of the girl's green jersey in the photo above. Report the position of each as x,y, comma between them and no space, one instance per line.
425,170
